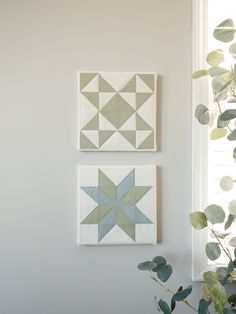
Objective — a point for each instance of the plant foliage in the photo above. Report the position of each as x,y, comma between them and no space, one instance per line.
214,218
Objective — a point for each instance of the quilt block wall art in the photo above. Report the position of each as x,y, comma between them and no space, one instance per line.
117,111
117,205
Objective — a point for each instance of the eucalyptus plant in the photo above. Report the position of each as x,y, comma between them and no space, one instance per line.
222,117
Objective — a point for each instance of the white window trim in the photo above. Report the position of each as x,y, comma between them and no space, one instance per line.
199,137
200,95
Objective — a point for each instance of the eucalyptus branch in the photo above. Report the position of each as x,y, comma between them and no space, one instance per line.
155,298
219,107
221,245
173,293
226,247
218,104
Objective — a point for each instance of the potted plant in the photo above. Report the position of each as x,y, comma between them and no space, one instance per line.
214,293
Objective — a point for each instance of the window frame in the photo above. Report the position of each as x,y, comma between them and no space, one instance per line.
199,136
200,95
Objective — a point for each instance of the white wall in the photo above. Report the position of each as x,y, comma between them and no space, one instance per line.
42,45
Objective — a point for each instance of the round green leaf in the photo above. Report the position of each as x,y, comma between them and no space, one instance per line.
173,304
222,273
225,31
232,242
219,293
232,50
215,57
232,207
221,83
202,114
164,307
216,71
232,136
211,277
147,266
220,123
198,220
213,250
163,272
159,260
229,221
228,114
199,74
234,154
217,133
203,307
231,100
226,183
173,301
183,294
215,214
230,268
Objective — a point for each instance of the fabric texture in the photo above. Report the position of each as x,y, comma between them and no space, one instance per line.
117,111
117,204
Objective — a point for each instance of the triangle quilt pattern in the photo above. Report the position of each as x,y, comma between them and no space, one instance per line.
120,107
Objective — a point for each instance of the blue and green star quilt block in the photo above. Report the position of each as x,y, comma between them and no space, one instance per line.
117,111
116,205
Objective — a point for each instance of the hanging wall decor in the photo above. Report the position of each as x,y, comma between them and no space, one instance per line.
117,111
117,205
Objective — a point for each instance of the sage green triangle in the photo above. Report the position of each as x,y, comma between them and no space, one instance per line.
104,86
130,87
141,98
106,185
97,215
126,224
85,143
136,194
117,111
93,124
104,136
93,97
85,78
148,79
130,136
148,143
141,124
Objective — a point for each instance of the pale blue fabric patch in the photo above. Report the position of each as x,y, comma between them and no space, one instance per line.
126,185
106,224
98,195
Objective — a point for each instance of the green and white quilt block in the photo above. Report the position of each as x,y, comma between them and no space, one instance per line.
117,205
117,111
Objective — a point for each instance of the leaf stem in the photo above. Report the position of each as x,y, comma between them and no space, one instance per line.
218,104
222,246
226,247
173,293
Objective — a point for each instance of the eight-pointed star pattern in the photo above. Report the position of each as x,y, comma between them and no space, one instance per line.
117,111
116,205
